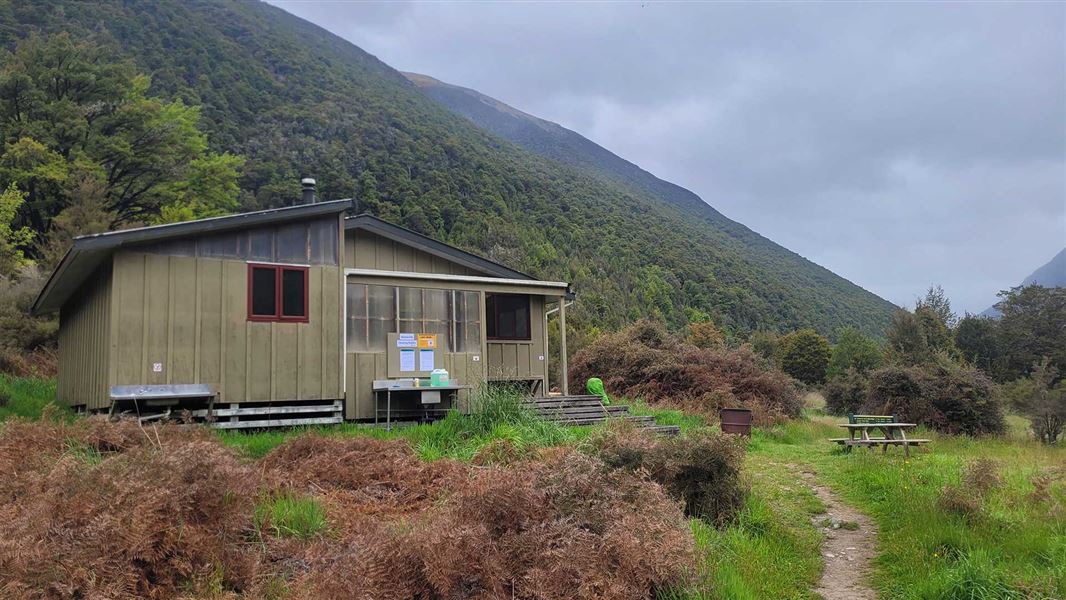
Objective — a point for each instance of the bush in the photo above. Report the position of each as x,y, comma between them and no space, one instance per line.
804,355
27,344
702,469
948,398
644,361
846,394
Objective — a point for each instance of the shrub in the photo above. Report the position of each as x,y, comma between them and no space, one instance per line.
804,355
705,335
27,344
846,394
898,391
702,469
949,398
644,361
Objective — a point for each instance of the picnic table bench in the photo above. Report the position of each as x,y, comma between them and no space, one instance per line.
893,433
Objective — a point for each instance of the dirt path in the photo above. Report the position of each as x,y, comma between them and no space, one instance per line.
848,549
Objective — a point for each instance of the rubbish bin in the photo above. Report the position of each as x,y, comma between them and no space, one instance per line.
735,420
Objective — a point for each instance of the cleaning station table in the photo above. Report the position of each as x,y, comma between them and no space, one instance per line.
432,402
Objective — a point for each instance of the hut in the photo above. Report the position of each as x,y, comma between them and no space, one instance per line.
292,315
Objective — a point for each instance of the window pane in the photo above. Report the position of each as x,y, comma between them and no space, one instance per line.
382,302
293,283
511,317
378,336
264,291
356,301
436,305
472,343
261,244
409,326
357,338
410,303
323,241
292,243
490,315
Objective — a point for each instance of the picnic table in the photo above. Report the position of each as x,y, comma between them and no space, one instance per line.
893,433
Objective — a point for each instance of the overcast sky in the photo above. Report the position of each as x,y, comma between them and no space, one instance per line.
898,145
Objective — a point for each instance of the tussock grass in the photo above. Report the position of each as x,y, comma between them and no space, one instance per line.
289,515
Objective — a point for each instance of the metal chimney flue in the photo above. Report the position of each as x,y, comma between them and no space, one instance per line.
308,186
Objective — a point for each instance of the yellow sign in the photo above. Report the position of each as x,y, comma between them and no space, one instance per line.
427,340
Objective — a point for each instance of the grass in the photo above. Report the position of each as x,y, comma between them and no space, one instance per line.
290,516
1010,546
497,415
26,396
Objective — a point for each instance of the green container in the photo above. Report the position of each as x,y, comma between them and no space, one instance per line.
438,378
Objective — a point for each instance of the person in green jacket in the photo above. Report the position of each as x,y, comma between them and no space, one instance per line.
595,387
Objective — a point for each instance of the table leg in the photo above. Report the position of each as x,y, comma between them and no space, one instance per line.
906,446
388,410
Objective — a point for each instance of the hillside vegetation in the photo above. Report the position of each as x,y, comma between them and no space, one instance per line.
289,98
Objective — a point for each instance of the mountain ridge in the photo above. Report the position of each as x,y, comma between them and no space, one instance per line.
1050,274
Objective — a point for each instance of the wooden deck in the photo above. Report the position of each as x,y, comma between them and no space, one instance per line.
590,410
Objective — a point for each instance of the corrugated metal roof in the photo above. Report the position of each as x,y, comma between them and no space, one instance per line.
89,252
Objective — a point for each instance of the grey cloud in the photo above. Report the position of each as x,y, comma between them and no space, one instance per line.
898,144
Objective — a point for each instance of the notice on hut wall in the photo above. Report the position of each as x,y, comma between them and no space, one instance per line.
407,360
406,340
425,360
427,340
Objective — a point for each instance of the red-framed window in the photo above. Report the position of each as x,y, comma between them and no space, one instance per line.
277,293
507,317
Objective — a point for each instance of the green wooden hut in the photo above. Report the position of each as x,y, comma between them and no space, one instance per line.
287,316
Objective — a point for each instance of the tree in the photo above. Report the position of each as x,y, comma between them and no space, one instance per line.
1033,327
853,350
804,355
12,240
764,343
69,110
936,302
977,339
704,334
906,340
1041,399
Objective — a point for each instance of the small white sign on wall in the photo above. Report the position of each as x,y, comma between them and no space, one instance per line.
541,357
476,358
157,367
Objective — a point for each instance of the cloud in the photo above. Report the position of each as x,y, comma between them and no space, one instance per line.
898,145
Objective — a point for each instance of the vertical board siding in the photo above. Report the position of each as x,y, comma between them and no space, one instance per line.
84,345
364,367
365,250
190,315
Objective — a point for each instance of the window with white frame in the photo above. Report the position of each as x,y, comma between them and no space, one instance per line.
374,311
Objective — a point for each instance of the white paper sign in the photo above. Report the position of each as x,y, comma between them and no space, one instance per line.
157,367
407,360
406,340
425,360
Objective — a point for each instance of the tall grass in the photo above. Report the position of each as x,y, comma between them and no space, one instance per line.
496,413
26,396
1000,544
288,515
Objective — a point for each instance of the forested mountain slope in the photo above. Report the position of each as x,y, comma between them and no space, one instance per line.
292,98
